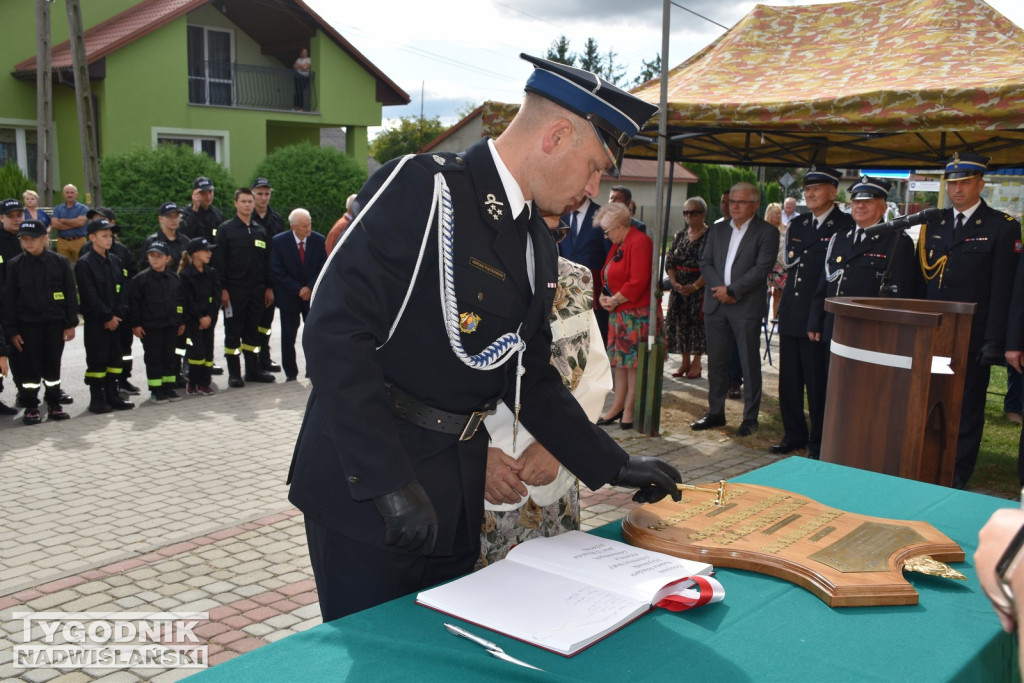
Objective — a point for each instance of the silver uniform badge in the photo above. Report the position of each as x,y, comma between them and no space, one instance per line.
494,209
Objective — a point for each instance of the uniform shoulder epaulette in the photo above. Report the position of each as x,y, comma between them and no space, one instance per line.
441,161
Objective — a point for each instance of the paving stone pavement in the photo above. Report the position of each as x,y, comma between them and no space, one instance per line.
183,507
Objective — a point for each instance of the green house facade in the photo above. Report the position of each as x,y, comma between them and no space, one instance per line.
216,76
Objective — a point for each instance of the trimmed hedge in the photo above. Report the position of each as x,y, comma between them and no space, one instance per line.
318,179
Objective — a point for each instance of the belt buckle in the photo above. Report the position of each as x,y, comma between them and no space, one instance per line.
472,424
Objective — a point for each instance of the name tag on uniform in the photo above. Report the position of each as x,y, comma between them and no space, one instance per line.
180,309
260,244
489,269
58,296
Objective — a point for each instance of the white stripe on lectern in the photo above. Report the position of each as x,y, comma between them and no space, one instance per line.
940,364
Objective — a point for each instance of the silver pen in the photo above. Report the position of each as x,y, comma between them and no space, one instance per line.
491,648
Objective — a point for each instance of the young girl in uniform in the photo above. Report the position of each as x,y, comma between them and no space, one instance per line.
201,291
155,312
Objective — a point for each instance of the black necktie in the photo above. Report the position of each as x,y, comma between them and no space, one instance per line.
814,224
860,235
573,225
959,221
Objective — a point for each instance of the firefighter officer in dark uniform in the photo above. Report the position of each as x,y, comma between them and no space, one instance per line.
274,224
970,253
242,258
856,263
12,213
803,362
201,218
407,349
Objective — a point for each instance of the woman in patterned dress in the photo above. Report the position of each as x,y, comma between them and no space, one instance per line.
685,318
777,278
626,280
515,511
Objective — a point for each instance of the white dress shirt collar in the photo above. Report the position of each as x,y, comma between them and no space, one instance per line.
516,200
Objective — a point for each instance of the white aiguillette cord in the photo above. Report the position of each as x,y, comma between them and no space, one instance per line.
500,351
495,355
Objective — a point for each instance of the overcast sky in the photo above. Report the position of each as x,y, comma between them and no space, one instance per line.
459,53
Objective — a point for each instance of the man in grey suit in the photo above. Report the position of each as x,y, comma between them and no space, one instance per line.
735,264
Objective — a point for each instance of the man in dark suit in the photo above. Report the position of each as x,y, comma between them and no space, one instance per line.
970,253
803,362
589,248
410,331
296,258
735,264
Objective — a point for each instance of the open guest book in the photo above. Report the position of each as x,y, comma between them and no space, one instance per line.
566,592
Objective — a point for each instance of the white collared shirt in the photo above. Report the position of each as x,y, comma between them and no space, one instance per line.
822,217
516,202
967,214
734,244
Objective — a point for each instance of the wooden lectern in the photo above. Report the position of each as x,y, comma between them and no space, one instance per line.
895,384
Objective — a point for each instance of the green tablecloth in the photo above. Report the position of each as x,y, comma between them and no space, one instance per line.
765,630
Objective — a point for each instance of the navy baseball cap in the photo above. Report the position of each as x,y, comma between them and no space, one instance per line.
615,115
32,228
961,166
102,212
97,224
260,182
202,183
200,244
159,247
870,188
169,207
10,206
817,175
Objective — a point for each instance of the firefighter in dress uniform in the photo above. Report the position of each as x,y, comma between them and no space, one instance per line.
803,362
970,254
408,350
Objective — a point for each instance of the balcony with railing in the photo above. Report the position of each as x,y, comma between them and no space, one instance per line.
246,86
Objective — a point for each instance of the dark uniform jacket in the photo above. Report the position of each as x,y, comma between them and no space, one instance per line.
155,300
175,246
102,288
351,447
981,259
200,292
804,255
242,256
272,222
861,267
10,247
39,289
201,222
128,264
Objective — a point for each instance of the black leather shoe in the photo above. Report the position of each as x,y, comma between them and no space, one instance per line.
747,427
786,447
236,382
735,390
64,399
708,421
270,366
216,370
601,422
261,376
626,425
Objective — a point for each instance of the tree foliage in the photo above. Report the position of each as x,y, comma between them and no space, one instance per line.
590,58
649,70
318,179
559,52
407,137
138,181
614,72
13,182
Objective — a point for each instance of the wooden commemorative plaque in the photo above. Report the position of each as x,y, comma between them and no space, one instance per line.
846,559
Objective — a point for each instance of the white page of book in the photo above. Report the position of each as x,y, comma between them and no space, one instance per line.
609,564
548,609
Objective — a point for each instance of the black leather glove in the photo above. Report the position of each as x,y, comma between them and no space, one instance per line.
409,518
991,354
654,478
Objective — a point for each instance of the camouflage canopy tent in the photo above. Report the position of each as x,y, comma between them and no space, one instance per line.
877,83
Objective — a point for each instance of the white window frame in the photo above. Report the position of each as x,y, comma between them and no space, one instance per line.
206,61
20,126
221,137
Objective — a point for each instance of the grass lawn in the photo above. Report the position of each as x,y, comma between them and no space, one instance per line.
997,461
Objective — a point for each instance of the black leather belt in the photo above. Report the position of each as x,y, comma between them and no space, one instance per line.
411,409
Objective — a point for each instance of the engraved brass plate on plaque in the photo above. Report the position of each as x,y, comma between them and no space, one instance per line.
868,547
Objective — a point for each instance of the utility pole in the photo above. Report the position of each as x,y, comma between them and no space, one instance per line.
83,98
44,105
